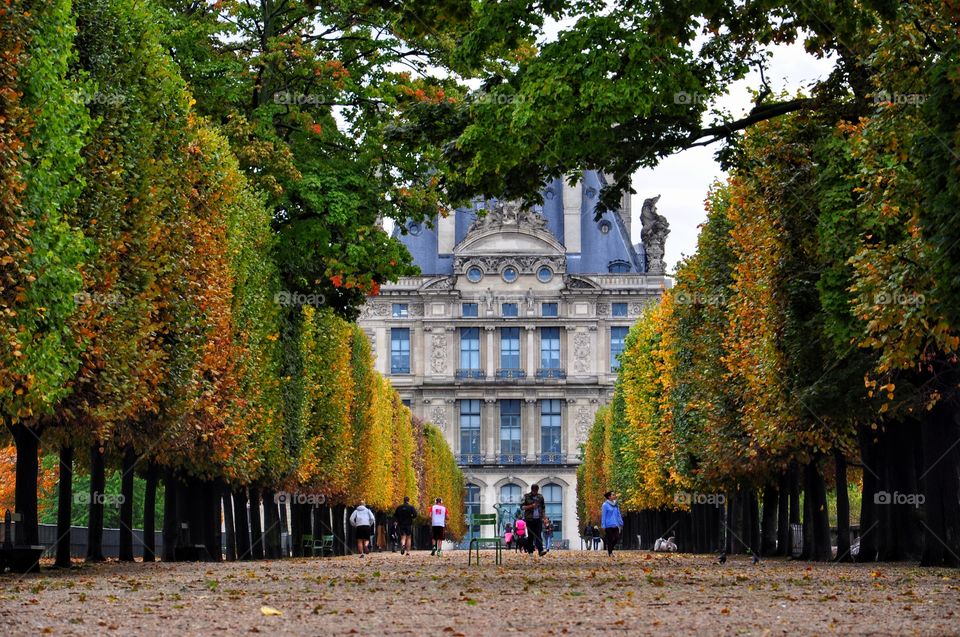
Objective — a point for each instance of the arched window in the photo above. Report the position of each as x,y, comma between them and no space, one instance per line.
553,498
618,267
510,496
471,502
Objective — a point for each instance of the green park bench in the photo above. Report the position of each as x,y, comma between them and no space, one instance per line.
324,544
482,520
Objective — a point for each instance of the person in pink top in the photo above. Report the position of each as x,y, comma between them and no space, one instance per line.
520,531
508,536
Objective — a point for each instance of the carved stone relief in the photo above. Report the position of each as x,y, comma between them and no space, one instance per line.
583,424
603,309
526,264
438,356
581,352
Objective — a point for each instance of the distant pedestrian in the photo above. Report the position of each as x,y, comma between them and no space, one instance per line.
534,510
405,515
611,520
363,522
438,520
508,536
587,536
394,536
547,535
595,532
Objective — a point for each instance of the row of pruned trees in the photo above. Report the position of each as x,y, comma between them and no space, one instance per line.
815,328
145,318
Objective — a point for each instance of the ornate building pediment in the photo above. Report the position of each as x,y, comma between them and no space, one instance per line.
509,229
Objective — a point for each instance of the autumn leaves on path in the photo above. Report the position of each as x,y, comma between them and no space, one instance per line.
563,592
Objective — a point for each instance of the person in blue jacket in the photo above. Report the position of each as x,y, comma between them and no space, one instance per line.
611,521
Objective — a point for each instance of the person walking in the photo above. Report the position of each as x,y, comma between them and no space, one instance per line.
611,520
587,536
508,537
547,534
438,520
363,521
405,515
534,508
595,531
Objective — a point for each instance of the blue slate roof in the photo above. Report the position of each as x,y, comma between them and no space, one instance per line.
598,249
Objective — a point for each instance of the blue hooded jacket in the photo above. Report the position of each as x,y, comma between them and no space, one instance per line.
610,515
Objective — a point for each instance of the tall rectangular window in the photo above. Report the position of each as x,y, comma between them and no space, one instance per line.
509,309
550,348
469,426
401,310
618,335
510,347
469,310
619,309
469,348
549,309
399,350
510,426
550,426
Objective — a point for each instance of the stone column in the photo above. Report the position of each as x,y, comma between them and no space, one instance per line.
531,351
530,417
489,420
491,370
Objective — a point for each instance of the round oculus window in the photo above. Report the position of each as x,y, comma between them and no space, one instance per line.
510,274
544,274
474,274
415,229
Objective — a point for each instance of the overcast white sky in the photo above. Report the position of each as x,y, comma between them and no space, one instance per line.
683,179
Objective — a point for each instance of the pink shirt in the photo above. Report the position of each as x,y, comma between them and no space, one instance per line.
521,527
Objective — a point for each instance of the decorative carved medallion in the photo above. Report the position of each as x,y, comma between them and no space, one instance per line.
438,362
581,352
439,418
603,309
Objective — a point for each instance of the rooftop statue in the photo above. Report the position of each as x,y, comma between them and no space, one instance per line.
653,235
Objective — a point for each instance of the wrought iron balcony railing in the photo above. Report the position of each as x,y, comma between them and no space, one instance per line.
471,374
551,372
469,458
511,458
552,458
511,373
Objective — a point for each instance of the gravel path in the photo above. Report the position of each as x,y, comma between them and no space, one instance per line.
633,593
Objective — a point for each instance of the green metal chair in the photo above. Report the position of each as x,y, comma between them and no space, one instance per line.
482,520
307,544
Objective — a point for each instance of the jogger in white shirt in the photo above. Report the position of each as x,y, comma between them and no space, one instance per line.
438,520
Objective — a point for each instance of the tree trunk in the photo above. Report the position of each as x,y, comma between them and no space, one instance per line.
150,514
771,504
27,442
296,528
783,515
843,508
271,526
126,505
171,521
256,527
794,504
940,480
228,523
212,537
869,521
816,528
242,524
97,487
64,507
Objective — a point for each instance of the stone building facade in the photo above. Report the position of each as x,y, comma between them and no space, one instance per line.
508,339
